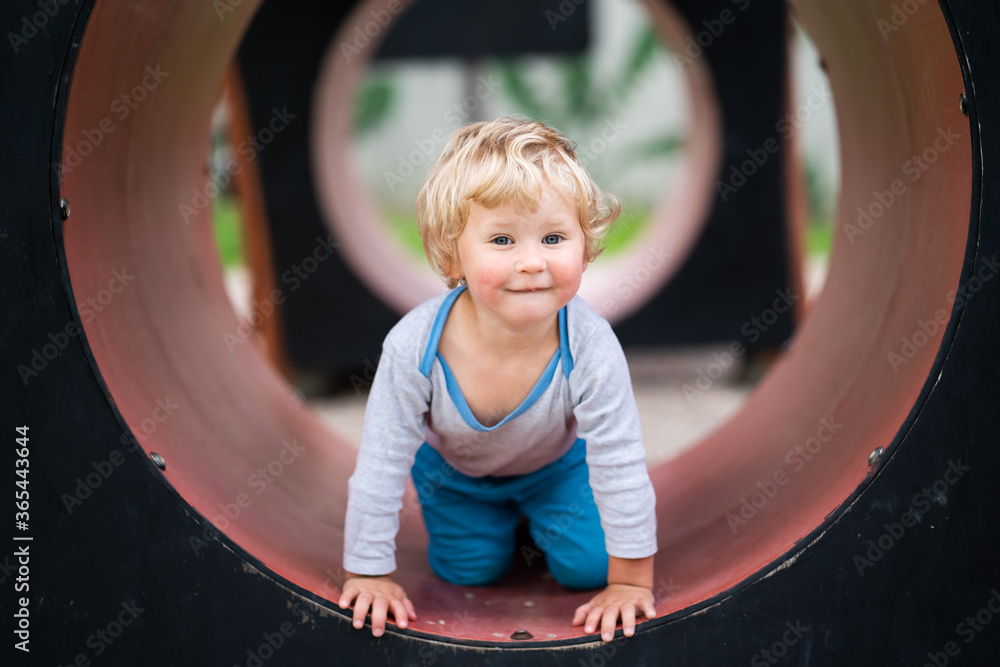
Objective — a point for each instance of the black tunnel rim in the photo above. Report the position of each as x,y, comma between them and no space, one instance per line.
972,256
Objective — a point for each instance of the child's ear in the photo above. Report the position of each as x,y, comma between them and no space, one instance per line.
455,271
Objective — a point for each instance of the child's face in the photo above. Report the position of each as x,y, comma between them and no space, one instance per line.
522,266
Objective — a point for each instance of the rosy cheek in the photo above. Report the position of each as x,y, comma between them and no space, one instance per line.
489,277
570,269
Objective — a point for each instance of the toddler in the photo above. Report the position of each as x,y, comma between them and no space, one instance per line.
508,395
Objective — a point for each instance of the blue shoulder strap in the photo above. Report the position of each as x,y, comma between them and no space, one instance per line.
430,352
427,361
567,358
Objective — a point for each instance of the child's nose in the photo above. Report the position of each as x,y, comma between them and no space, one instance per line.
529,260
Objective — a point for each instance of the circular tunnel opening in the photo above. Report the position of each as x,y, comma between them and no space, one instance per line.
350,197
243,451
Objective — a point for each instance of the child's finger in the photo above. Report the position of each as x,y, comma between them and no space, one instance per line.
361,609
581,613
399,612
649,611
347,596
608,623
628,619
410,611
379,608
593,617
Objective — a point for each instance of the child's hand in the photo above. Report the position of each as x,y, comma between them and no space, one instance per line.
614,601
382,594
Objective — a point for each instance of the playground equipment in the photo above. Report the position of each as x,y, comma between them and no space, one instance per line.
186,508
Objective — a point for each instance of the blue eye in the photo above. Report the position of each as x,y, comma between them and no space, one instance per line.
552,239
503,240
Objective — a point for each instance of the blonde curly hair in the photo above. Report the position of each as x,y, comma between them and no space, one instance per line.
505,161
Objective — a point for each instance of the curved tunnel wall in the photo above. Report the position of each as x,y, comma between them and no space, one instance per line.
836,396
675,224
171,334
160,342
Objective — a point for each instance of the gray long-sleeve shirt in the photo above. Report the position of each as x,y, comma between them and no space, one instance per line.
585,392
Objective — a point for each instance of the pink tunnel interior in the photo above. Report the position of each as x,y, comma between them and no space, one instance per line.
836,394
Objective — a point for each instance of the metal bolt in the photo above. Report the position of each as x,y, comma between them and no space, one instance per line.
64,208
521,634
529,603
158,460
963,104
875,456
